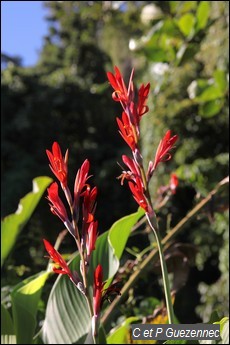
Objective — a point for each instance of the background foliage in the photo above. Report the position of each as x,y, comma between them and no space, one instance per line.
181,47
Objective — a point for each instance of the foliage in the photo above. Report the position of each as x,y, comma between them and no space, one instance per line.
14,223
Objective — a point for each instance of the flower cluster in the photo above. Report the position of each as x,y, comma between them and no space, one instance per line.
129,128
81,204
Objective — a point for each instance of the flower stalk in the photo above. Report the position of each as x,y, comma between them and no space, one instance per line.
138,179
164,270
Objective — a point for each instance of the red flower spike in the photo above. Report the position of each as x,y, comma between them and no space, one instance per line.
58,259
173,183
127,131
97,289
58,164
56,205
165,145
143,93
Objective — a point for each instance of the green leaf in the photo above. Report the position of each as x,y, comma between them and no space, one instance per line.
174,6
202,15
186,24
25,298
220,78
210,93
120,231
211,108
14,223
120,334
7,327
67,316
182,6
8,339
224,330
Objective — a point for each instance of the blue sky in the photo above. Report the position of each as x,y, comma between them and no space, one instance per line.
23,26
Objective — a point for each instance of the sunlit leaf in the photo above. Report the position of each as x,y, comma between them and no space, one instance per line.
202,14
14,223
186,24
224,330
8,339
210,93
25,298
220,78
121,333
211,108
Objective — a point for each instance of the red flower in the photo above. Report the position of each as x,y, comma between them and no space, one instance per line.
134,173
138,194
121,94
143,93
97,289
56,205
80,181
58,259
89,204
58,164
127,131
91,237
173,183
166,144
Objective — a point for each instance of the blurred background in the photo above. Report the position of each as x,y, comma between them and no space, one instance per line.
58,91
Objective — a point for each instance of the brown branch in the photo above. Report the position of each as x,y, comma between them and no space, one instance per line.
154,253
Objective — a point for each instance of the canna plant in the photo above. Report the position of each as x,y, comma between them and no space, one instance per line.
81,223
79,219
133,108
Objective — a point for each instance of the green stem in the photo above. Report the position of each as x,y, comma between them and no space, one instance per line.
164,274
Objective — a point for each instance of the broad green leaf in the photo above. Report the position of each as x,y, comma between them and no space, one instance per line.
8,339
66,303
120,231
186,24
211,108
25,298
7,327
224,330
14,223
202,14
120,334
